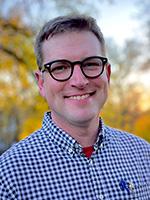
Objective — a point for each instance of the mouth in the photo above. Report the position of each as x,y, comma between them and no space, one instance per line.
81,97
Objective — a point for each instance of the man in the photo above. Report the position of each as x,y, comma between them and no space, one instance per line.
74,156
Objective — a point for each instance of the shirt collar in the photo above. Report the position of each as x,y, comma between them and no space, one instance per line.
62,139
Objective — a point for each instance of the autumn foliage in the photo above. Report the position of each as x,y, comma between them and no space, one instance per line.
22,108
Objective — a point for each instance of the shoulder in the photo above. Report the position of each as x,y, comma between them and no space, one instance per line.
22,151
15,163
127,140
18,162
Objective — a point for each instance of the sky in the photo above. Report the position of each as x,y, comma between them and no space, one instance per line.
119,20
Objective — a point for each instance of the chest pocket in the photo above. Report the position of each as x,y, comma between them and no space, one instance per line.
136,191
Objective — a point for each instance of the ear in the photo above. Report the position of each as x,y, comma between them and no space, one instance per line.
40,82
108,71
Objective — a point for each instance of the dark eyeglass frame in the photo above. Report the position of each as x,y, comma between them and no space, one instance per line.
47,67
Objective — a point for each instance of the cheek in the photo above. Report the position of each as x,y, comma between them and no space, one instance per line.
53,89
101,82
104,79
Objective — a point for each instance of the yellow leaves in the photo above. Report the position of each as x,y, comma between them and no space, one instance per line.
34,120
16,49
127,112
14,24
142,126
18,89
16,42
15,21
30,125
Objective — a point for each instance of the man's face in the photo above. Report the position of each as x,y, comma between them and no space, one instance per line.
78,100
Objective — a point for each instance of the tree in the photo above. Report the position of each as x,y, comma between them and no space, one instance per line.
47,9
15,77
142,125
144,18
21,107
125,105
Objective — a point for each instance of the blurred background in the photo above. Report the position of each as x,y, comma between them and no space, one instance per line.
126,27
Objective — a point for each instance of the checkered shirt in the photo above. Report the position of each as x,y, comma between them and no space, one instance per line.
50,165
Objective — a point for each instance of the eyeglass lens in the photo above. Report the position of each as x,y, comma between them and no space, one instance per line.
62,70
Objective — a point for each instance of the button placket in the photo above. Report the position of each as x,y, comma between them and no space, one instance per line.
101,197
70,151
90,161
102,145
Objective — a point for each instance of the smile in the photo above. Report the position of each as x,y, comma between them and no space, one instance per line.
81,97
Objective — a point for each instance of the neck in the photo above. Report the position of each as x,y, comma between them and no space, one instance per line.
85,133
86,138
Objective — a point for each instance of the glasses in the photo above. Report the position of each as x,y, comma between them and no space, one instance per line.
62,70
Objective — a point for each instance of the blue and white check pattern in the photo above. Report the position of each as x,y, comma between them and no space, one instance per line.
50,165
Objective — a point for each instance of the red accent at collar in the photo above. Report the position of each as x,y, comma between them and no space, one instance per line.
88,151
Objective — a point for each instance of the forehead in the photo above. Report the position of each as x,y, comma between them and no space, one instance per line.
71,45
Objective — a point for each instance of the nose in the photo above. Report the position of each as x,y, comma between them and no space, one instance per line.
78,79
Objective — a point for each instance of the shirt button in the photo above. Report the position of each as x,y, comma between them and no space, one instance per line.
101,197
131,186
101,145
70,151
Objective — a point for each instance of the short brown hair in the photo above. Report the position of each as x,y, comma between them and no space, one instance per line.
66,24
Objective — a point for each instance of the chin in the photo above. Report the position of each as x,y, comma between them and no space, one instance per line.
83,116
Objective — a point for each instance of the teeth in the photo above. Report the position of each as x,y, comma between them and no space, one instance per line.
79,97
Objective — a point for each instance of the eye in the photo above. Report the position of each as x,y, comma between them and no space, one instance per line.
92,64
60,67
